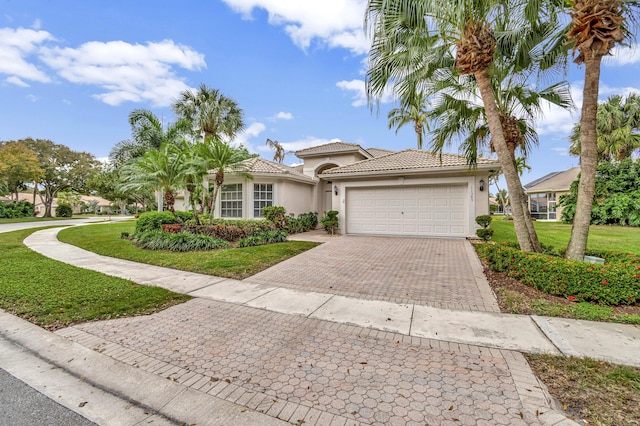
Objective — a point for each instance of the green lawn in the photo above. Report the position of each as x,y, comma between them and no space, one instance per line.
53,294
236,263
34,219
601,238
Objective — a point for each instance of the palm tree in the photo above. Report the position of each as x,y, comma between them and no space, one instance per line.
413,41
279,154
161,170
617,124
219,156
413,110
147,133
212,114
597,26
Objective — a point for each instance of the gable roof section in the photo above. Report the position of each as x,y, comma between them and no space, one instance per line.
261,167
556,181
333,148
379,152
409,160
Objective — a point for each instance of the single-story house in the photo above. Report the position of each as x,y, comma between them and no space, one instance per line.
103,205
544,193
375,191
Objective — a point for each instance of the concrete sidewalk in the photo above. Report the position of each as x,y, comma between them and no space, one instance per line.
617,343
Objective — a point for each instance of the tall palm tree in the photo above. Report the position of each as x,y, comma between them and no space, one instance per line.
279,152
597,26
219,156
413,109
161,170
412,41
618,127
213,115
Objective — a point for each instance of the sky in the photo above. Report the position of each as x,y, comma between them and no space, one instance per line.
72,70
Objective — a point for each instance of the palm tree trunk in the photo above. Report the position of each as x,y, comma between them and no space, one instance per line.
527,241
588,160
212,203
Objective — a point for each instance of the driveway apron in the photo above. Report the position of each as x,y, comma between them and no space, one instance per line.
428,271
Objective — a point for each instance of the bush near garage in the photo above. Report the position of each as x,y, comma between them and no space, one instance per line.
230,230
267,237
615,283
303,223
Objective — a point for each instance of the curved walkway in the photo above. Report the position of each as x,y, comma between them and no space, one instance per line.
323,358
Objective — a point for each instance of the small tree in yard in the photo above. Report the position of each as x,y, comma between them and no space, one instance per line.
330,222
485,233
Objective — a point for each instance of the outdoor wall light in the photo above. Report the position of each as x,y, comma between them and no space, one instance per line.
335,189
481,185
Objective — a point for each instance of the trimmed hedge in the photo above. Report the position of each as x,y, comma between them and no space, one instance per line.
64,210
181,241
616,283
13,209
152,221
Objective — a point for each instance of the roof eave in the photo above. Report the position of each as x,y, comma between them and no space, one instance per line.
404,172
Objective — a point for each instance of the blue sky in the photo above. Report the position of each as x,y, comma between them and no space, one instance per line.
72,70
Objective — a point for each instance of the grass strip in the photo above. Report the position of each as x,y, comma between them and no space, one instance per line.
592,392
53,294
238,263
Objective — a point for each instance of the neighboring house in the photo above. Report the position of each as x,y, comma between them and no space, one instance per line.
544,193
375,191
103,205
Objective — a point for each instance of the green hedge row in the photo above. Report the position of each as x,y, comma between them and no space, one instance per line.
267,237
616,283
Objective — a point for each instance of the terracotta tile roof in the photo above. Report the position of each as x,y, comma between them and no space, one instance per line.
259,165
379,152
407,160
330,148
556,181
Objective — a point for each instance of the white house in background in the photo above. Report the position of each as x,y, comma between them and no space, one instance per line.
544,193
375,191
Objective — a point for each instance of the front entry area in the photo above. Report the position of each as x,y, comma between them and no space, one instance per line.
425,210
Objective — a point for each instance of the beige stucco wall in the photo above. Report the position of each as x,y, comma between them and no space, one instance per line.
478,201
295,197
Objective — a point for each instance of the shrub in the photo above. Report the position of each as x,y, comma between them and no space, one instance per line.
15,209
64,210
484,220
231,230
330,221
309,220
267,237
184,216
151,221
616,283
124,235
484,233
275,214
181,241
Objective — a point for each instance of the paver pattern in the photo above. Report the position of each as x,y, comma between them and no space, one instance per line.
427,271
310,371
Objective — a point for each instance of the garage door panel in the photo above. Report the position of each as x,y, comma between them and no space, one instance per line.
438,210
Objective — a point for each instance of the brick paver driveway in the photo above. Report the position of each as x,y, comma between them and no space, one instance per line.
430,271
309,371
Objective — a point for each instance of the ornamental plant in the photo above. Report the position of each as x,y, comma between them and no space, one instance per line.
485,233
330,222
616,283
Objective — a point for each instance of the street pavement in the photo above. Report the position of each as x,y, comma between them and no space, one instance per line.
319,352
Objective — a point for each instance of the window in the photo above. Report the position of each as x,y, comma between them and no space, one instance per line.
231,200
262,197
543,205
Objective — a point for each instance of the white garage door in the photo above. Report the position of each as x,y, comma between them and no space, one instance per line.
433,210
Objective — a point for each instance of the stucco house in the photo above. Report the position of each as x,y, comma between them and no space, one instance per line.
544,193
103,205
375,191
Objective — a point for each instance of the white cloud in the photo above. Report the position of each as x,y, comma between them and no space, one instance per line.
126,72
37,24
17,81
559,121
357,88
16,45
623,55
282,116
606,91
307,142
335,23
32,98
244,138
564,152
